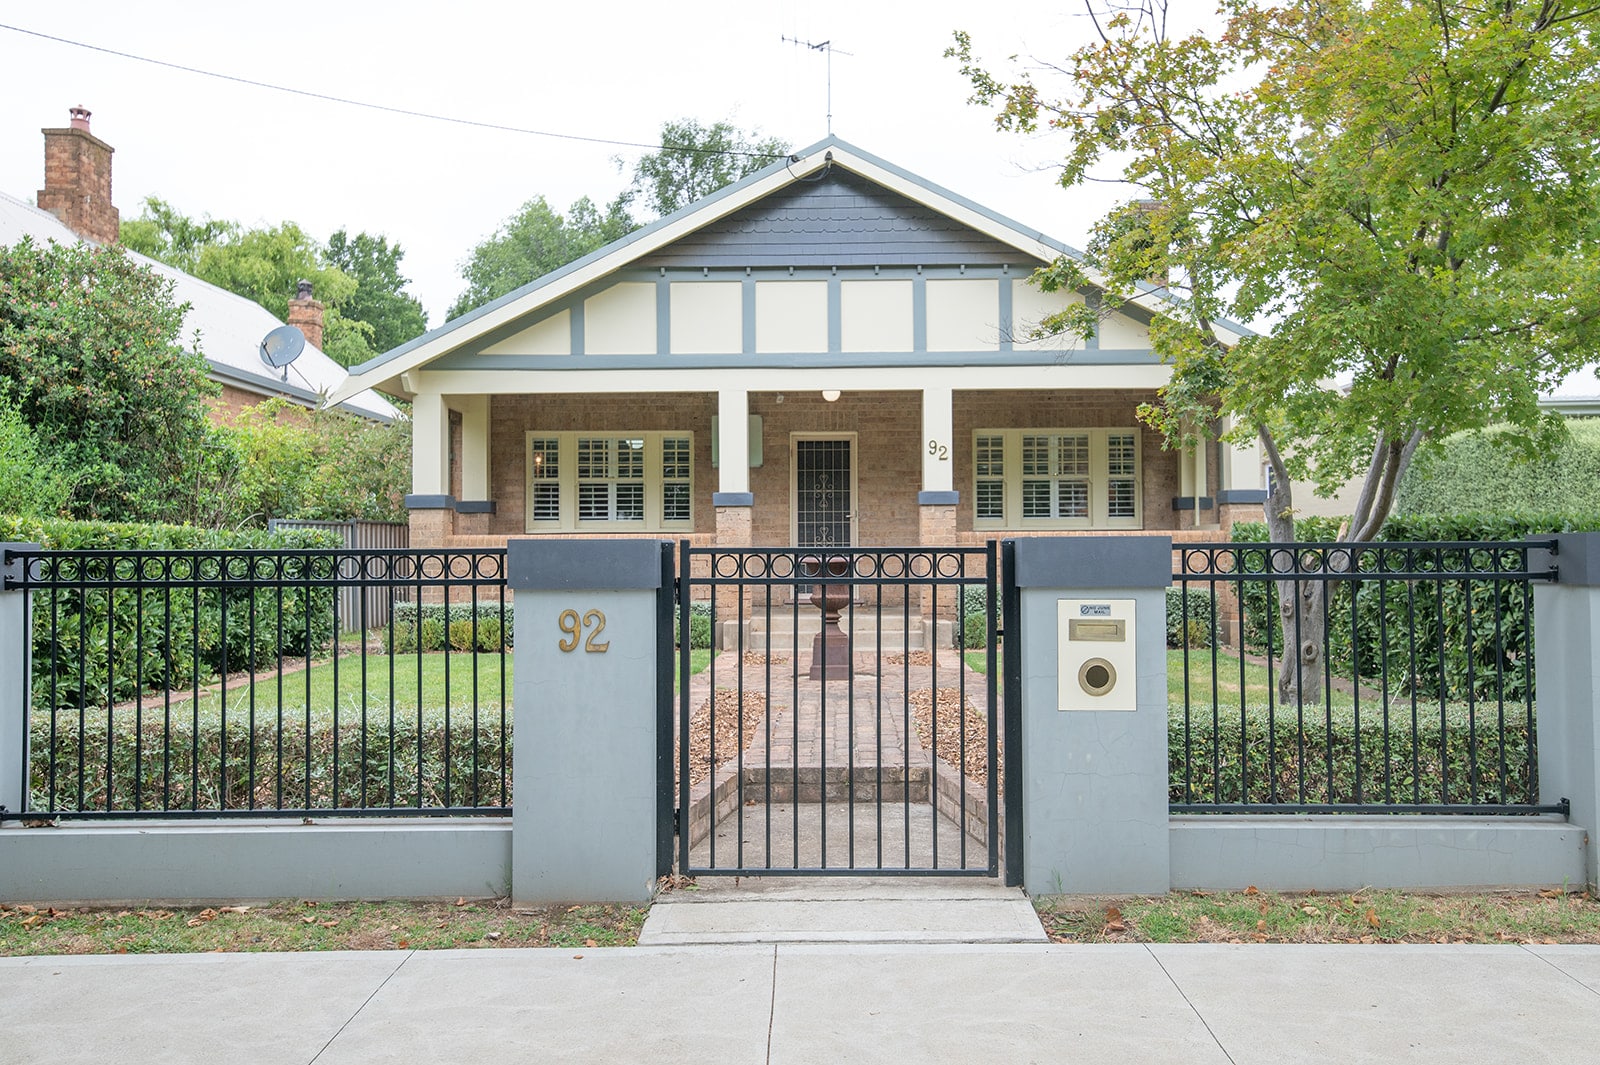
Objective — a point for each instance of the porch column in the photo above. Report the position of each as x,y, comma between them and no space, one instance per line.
476,503
432,508
733,501
936,504
1194,493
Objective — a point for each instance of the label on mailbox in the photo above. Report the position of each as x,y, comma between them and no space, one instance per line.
1094,610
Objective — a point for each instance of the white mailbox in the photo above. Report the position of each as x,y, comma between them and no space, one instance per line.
1096,645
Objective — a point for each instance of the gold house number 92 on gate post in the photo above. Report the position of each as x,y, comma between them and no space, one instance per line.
594,621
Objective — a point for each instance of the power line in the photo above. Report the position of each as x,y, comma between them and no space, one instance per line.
430,116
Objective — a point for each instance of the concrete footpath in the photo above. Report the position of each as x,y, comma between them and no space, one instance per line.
1195,1004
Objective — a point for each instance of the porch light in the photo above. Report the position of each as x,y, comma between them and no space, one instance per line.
830,394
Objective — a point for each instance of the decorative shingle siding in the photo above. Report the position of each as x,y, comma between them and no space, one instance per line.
842,220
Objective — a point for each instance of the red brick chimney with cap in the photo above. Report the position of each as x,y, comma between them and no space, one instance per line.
77,180
305,314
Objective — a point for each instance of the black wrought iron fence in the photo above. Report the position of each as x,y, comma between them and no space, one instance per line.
235,683
1327,677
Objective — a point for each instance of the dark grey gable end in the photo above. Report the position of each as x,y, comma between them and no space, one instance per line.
841,220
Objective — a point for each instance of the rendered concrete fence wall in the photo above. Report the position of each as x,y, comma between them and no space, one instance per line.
585,799
1095,781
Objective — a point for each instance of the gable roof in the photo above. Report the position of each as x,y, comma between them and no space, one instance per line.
708,224
230,326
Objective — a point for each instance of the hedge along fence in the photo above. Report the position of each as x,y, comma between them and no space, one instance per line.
96,646
173,759
1454,638
1462,756
482,626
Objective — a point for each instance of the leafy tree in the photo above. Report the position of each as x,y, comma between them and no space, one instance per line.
1411,191
533,242
90,361
166,235
33,483
267,264
695,161
280,461
380,299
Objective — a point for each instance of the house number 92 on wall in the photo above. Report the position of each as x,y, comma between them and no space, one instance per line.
593,623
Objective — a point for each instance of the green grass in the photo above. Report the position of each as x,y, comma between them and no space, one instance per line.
1370,916
1225,688
417,680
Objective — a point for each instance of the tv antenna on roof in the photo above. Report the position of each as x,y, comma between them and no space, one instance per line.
827,48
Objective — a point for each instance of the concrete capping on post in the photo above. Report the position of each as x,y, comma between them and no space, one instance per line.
475,506
1094,562
572,565
430,502
193,862
938,499
733,499
1241,496
1576,559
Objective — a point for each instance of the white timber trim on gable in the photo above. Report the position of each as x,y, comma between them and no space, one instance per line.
388,371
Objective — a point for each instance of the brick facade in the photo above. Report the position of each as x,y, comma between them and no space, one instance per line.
886,428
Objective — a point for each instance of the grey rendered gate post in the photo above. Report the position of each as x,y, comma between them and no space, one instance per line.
1567,634
1094,738
15,638
586,696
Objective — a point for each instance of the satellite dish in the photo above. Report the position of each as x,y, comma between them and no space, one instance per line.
282,346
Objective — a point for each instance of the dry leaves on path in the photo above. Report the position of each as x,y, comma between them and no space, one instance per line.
733,717
952,726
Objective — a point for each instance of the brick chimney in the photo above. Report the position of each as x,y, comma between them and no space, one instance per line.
305,314
77,180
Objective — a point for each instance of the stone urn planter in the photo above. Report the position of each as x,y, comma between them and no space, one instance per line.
830,649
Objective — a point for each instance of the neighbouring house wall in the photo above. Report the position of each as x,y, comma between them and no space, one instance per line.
511,418
235,401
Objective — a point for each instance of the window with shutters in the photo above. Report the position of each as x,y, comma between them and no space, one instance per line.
1056,479
614,481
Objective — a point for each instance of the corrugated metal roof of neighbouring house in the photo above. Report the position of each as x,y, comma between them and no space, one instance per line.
230,327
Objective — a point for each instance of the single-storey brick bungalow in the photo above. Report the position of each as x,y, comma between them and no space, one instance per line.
830,352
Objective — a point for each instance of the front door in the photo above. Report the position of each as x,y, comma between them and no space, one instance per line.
824,486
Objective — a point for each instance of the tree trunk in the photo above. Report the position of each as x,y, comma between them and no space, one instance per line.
1301,604
1300,613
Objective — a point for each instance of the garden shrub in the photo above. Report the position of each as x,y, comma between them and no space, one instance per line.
449,624
974,616
132,639
1482,471
1457,758
699,626
1420,618
350,767
1191,629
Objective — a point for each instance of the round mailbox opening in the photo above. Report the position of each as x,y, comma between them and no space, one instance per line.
1097,676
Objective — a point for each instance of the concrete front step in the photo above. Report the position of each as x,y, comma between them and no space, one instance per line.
842,910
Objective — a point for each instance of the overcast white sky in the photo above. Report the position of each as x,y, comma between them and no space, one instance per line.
604,69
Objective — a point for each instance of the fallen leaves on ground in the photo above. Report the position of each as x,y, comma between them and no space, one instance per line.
734,715
952,725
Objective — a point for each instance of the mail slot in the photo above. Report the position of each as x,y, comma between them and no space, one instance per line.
1097,664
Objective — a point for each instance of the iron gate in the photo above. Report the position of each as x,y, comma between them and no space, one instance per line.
838,712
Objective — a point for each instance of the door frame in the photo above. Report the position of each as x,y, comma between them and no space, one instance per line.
853,439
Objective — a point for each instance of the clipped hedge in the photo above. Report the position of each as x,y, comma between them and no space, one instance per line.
1274,749
485,627
160,757
95,646
1190,625
1480,471
699,626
